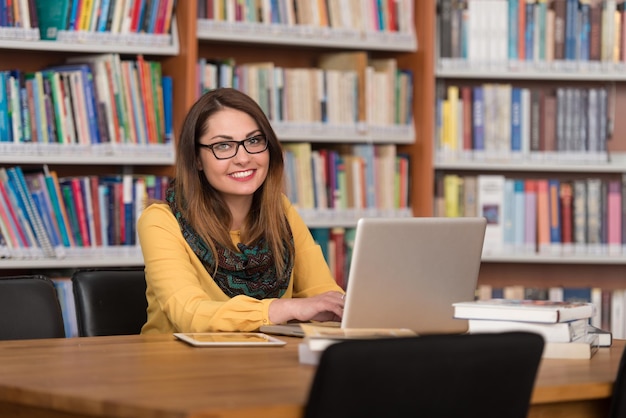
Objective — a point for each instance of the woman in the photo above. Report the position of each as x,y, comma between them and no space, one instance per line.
227,251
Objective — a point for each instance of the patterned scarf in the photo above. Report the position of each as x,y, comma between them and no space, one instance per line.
250,272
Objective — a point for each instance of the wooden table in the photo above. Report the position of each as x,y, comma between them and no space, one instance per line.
158,376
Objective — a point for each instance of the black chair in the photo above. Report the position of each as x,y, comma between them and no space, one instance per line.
618,400
479,375
29,308
110,301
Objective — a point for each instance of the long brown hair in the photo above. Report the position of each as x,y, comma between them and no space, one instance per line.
203,206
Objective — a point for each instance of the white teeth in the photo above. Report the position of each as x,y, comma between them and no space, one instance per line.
241,174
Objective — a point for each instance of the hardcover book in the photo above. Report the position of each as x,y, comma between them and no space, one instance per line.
583,348
545,311
557,332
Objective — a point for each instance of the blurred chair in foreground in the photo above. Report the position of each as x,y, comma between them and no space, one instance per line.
479,375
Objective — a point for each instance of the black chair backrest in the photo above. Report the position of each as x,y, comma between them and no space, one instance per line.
29,308
478,375
110,301
618,400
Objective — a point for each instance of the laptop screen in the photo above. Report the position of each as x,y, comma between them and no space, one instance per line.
407,272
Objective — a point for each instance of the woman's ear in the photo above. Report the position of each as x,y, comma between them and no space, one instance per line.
198,163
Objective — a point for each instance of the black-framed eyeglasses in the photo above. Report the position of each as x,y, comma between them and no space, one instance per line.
228,149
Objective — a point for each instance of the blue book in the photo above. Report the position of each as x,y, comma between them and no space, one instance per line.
513,29
104,13
529,34
322,237
25,201
26,116
367,153
478,119
129,209
45,212
577,294
571,29
168,104
73,18
5,128
516,119
519,222
554,204
585,32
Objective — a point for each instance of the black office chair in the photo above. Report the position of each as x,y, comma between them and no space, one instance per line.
479,375
110,301
618,400
29,308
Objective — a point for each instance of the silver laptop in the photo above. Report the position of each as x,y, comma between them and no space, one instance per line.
407,272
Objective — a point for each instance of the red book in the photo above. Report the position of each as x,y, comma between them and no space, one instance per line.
466,99
95,202
567,219
81,214
614,216
337,239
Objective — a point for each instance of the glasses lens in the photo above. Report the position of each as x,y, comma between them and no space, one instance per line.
255,144
226,149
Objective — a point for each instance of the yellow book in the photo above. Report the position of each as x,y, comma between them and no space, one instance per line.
85,15
451,187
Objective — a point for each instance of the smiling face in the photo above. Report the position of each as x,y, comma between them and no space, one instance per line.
240,176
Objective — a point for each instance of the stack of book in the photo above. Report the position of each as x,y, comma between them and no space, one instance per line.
564,325
318,337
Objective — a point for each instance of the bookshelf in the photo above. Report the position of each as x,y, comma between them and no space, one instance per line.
21,49
588,268
289,47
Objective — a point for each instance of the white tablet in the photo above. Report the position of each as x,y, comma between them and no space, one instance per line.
228,339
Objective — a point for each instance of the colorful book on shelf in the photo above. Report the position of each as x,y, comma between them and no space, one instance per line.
36,184
544,311
18,217
53,17
58,206
25,202
86,89
555,332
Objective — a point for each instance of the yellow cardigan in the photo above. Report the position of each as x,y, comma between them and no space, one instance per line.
182,296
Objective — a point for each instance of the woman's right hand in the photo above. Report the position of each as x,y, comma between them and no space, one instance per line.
323,307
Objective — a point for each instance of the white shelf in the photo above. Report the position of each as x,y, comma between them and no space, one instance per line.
304,36
556,259
347,218
533,166
104,154
320,132
102,42
557,70
70,262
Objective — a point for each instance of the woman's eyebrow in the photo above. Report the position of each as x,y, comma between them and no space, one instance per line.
230,138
